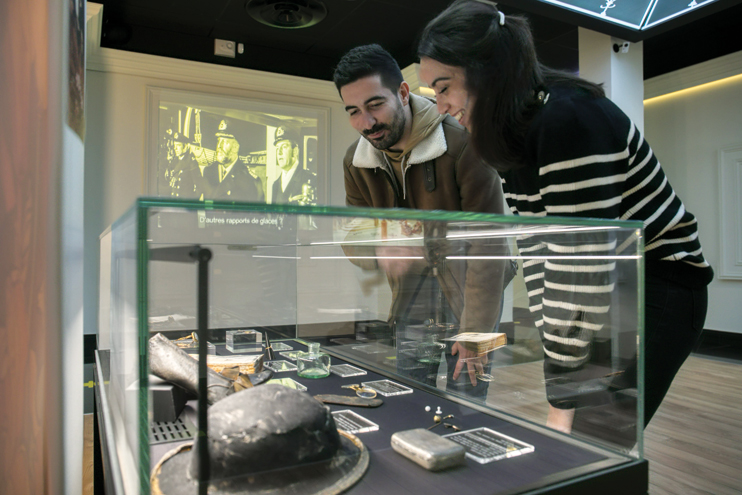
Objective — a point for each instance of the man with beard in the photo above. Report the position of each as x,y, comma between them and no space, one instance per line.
294,183
233,181
409,156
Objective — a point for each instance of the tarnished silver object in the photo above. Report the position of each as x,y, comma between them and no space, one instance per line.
427,449
171,363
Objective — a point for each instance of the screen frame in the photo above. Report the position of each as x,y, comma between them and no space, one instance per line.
235,104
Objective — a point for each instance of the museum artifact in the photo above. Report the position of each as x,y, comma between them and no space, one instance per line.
430,351
288,382
269,354
172,364
361,391
313,363
484,445
189,343
281,365
482,343
427,449
348,400
346,370
250,363
351,422
244,340
268,439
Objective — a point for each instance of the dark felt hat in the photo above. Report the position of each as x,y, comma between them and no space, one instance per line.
254,450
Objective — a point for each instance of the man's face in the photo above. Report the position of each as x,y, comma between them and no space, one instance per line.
179,148
226,150
375,111
285,154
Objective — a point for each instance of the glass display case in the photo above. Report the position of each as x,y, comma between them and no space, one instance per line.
483,331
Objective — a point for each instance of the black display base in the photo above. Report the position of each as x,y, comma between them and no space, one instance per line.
168,400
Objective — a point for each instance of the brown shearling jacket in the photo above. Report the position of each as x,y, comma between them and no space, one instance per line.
442,172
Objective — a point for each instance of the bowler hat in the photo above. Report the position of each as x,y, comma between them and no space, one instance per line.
267,440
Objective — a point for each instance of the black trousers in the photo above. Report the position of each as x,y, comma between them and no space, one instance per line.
674,316
674,319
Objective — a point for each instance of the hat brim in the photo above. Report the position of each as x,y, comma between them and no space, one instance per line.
330,477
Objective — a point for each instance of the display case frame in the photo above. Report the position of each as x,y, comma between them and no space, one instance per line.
131,253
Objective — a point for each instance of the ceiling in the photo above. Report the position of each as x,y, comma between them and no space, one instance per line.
186,29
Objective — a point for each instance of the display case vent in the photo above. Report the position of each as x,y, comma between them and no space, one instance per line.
171,431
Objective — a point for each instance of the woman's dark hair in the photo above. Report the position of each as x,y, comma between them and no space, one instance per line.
502,72
368,60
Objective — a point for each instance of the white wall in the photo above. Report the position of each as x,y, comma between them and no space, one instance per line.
621,73
686,130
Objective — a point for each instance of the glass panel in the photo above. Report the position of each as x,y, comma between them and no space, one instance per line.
482,321
124,385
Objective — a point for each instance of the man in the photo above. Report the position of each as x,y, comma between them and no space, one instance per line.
294,185
233,181
409,156
187,179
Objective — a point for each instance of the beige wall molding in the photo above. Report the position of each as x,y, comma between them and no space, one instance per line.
730,212
706,72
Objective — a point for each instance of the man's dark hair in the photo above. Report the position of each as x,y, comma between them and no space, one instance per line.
503,73
368,60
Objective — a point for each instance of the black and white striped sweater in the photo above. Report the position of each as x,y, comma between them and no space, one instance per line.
585,158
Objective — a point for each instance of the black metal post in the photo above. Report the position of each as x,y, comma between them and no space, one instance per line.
202,256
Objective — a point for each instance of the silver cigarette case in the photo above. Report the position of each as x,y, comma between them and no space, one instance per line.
427,449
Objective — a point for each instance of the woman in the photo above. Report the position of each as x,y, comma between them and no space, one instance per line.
562,148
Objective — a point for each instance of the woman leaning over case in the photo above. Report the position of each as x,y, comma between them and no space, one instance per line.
562,148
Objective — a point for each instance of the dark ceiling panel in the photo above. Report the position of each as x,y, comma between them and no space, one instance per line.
236,24
186,29
396,28
712,37
543,28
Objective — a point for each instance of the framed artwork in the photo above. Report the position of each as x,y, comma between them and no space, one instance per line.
76,72
211,147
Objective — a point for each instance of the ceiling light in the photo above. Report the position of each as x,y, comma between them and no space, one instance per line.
287,14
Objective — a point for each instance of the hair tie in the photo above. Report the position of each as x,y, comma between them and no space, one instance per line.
502,18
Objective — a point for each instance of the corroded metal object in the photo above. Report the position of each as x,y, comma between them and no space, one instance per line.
173,364
348,400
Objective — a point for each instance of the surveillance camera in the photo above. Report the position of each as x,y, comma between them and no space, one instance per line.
622,47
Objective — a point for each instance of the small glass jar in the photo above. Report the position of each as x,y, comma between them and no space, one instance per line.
313,363
429,351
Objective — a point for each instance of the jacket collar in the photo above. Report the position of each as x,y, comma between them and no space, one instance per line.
430,148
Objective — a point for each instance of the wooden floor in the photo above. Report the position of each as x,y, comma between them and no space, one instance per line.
693,443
